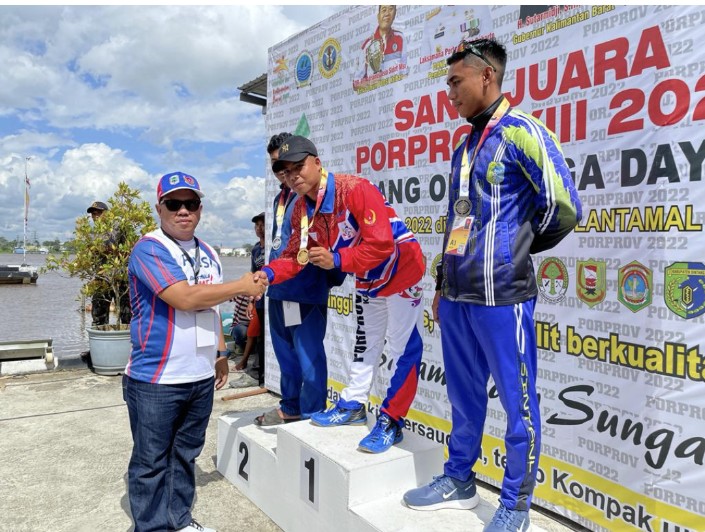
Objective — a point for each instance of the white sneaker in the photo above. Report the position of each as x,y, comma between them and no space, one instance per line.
195,527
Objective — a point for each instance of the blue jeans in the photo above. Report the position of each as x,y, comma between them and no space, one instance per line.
239,334
168,423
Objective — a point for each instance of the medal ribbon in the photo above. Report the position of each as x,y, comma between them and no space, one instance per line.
195,263
281,209
305,224
466,168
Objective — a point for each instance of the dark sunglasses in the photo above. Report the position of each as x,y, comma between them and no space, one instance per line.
466,48
174,205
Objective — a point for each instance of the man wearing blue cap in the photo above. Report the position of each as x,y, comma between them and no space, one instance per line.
178,356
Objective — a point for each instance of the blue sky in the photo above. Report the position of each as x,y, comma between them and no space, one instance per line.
101,94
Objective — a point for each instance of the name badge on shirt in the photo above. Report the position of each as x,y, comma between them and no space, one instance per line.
459,235
292,313
205,328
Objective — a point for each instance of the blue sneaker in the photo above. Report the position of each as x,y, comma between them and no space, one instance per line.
506,520
443,492
383,435
341,413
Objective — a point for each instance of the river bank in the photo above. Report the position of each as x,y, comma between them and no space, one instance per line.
53,308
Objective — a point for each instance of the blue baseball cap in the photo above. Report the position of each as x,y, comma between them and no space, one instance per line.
177,181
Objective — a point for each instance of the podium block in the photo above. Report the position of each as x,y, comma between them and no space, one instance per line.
310,479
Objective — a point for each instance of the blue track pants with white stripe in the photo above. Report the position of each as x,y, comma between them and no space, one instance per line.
302,358
479,341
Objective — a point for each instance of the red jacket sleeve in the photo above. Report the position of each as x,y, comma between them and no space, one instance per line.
366,204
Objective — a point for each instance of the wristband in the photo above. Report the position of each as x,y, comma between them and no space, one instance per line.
221,354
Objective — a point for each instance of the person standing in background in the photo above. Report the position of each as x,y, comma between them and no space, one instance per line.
511,195
101,300
256,310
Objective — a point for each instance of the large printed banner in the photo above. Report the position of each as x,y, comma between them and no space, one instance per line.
620,314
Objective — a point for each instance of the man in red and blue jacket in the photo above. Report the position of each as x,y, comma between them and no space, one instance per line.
343,222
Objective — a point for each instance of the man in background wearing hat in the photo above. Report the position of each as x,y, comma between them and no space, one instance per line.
257,321
101,300
343,221
178,356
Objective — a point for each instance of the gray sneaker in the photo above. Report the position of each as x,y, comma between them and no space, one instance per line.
244,382
443,492
506,520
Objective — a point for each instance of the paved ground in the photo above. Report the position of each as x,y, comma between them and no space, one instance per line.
64,447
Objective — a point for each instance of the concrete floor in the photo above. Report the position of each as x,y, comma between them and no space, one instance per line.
64,447
65,443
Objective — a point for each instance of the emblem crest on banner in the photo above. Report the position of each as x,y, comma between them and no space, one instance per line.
591,286
329,58
304,69
434,266
684,289
635,286
552,280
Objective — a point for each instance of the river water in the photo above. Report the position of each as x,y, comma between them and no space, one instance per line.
53,309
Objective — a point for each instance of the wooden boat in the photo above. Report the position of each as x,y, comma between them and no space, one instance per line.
18,274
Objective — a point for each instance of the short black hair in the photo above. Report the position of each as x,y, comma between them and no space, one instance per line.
493,50
276,141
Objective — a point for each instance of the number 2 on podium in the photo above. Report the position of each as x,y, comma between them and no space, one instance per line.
243,469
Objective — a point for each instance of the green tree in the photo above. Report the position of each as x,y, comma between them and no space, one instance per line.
52,245
101,250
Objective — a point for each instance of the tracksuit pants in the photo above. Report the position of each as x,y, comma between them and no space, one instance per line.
479,341
399,317
302,358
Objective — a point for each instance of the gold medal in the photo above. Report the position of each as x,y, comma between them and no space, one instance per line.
302,257
462,207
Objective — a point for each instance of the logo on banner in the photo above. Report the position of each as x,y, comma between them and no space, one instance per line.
304,69
635,286
553,280
280,64
685,289
329,58
591,286
471,26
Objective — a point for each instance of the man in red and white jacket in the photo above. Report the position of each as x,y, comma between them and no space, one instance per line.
343,221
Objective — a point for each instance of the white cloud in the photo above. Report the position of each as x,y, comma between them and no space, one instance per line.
99,94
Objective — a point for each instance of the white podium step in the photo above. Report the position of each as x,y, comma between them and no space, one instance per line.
308,478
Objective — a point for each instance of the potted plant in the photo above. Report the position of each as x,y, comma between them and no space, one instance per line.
99,258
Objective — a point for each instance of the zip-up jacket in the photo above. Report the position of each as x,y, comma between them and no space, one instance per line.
311,285
357,223
524,201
